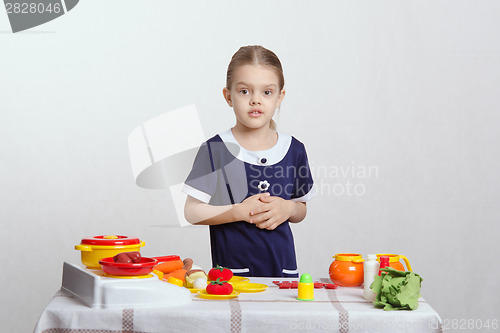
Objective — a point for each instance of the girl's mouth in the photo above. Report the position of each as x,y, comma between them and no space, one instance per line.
255,113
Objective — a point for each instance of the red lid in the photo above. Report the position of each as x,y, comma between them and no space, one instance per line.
111,240
384,261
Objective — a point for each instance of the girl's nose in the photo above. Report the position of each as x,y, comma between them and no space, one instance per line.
255,100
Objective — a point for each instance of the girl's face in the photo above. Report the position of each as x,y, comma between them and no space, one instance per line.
254,95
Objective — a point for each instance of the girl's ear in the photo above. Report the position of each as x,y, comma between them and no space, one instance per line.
281,96
227,96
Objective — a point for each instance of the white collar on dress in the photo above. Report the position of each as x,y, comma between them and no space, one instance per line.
260,157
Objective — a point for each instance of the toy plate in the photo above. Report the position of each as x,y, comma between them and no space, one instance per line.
204,294
238,279
193,290
249,287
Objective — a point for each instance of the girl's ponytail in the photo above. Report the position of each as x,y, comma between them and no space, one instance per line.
272,125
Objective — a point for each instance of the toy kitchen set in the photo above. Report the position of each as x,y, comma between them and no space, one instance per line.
115,275
103,283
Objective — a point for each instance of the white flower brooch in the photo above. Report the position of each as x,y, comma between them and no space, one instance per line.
263,185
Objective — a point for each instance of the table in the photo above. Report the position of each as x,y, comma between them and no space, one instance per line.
274,310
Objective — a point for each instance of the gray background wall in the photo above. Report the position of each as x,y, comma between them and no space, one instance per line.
410,88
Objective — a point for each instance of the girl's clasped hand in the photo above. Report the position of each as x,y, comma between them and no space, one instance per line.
271,211
266,211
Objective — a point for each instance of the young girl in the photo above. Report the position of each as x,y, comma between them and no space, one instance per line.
248,183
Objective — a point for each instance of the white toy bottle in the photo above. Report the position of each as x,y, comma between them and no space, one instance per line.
370,268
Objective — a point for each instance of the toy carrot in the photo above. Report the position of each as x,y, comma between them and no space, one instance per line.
169,266
178,274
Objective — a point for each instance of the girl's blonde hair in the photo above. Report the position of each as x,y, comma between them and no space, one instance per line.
255,55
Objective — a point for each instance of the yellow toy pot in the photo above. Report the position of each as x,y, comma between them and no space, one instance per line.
98,247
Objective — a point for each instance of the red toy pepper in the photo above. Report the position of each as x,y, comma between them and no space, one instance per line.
223,273
218,287
331,286
285,285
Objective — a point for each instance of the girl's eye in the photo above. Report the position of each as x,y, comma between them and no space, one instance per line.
268,92
244,91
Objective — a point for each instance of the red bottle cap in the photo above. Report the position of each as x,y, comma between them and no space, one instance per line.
384,262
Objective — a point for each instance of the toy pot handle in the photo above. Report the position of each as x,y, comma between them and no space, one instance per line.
84,248
167,258
407,262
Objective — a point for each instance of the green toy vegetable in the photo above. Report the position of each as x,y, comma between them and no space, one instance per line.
396,290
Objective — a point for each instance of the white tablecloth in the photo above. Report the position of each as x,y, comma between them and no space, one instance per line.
274,310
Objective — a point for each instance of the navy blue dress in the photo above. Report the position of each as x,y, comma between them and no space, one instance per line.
225,173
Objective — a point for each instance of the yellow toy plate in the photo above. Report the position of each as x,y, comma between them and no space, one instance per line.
238,279
204,294
249,287
193,291
158,273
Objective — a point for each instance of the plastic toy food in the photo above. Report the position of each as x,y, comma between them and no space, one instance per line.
122,258
222,273
170,265
128,257
200,283
177,273
123,265
219,287
396,290
110,267
288,285
295,285
187,264
331,286
175,281
193,275
135,256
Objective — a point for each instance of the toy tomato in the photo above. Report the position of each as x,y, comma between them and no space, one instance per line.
223,273
219,287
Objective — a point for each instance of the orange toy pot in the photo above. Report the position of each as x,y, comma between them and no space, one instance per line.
347,269
394,261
